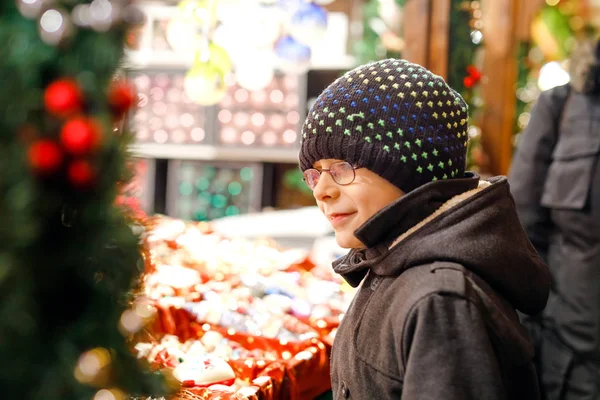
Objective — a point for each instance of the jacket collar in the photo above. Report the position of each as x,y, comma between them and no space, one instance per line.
379,231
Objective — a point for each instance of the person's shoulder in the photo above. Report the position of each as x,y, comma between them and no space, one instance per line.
556,94
436,278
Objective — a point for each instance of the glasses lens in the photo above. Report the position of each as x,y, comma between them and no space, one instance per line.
311,177
342,173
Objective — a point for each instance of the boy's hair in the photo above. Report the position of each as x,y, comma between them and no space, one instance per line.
393,117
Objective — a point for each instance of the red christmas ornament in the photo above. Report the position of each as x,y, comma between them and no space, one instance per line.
121,96
468,82
474,73
81,174
63,98
45,156
80,136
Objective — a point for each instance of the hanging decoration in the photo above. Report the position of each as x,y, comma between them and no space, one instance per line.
286,29
63,98
205,83
308,23
45,157
256,72
290,50
122,97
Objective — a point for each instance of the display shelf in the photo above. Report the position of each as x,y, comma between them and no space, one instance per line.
143,59
207,152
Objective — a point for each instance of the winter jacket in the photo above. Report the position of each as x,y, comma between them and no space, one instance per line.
444,269
555,180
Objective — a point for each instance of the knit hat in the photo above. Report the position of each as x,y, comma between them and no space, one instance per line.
392,117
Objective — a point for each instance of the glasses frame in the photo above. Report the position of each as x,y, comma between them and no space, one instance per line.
320,171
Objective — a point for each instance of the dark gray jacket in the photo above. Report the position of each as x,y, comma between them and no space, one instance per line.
555,180
445,267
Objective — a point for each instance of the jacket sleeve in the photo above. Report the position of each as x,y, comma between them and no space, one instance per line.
530,165
447,353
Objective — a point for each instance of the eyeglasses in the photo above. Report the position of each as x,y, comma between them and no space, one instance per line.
341,172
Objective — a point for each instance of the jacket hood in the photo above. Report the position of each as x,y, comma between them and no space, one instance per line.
477,228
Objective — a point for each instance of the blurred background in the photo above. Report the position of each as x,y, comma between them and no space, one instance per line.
224,85
222,88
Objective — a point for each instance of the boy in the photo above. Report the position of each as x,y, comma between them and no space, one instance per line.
440,256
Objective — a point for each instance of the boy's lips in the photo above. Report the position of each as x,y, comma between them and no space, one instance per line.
337,219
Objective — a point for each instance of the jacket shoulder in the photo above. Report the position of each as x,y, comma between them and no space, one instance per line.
434,278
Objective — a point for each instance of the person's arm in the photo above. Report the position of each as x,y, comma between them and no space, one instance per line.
530,166
447,353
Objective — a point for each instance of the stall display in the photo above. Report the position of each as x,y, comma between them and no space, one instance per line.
207,190
165,114
236,318
264,117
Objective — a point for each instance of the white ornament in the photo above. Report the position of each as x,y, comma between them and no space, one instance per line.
255,70
204,372
31,8
55,26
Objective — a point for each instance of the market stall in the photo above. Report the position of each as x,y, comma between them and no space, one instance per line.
237,318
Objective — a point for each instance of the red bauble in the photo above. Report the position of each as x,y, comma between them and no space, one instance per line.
468,82
81,174
121,96
80,136
45,156
63,98
474,73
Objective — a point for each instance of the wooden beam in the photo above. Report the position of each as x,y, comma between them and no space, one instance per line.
417,15
528,9
498,90
439,39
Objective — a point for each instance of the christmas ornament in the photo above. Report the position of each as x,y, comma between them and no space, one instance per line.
205,84
473,77
255,72
80,136
31,8
474,73
104,14
289,50
121,96
63,98
81,174
204,371
55,27
201,11
468,82
182,34
217,56
261,24
81,16
290,6
45,156
308,24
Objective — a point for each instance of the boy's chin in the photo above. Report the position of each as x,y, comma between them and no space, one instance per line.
348,241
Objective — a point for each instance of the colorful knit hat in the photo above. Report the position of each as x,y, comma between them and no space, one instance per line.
393,117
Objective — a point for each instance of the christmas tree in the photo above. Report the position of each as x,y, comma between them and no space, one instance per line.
68,255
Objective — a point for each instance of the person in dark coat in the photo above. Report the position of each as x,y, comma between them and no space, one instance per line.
439,255
555,179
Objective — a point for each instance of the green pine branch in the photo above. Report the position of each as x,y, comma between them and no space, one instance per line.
68,257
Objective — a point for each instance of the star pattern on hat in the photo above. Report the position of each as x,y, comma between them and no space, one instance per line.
393,109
